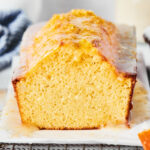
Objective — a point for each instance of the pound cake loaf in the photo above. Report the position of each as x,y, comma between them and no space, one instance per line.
78,71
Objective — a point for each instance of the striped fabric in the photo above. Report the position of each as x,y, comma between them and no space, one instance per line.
12,26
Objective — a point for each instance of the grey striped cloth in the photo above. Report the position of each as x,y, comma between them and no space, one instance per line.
12,26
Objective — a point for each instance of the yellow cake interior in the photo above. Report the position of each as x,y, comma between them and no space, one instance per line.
73,89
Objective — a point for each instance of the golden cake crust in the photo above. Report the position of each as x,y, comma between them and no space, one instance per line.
116,44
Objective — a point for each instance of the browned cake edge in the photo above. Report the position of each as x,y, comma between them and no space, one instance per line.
130,105
17,76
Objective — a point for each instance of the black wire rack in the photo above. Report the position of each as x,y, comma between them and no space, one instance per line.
7,146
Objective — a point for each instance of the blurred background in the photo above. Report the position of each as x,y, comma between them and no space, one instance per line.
39,10
17,15
133,12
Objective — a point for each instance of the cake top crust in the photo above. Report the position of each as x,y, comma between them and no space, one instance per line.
115,43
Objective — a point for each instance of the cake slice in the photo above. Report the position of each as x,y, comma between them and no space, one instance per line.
78,71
